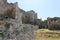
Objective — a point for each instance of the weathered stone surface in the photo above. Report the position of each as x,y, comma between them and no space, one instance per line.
54,23
28,31
11,25
29,17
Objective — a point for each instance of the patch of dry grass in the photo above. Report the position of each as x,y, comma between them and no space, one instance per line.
45,34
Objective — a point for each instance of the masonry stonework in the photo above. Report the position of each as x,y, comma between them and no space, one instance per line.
11,24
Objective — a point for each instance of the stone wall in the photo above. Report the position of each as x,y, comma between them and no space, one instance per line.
28,31
11,23
29,17
33,16
53,23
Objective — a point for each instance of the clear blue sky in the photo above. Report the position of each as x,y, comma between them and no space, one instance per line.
44,8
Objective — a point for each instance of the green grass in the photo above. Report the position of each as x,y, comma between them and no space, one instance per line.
45,34
43,30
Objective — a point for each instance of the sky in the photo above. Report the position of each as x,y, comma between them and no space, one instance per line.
43,8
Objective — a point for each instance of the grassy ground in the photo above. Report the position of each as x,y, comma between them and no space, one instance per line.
45,34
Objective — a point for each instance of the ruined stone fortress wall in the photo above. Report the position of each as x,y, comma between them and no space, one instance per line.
11,26
29,17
